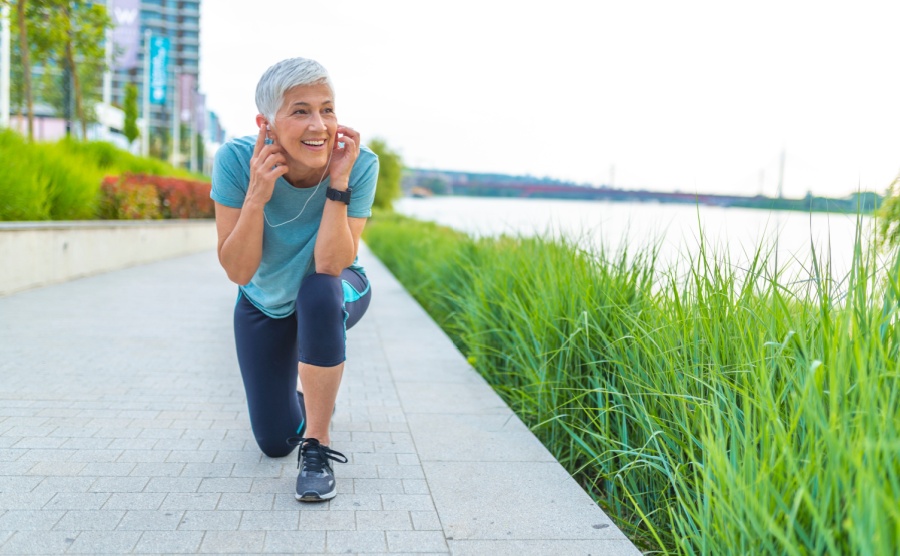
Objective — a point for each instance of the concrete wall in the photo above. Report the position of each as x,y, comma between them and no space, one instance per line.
34,254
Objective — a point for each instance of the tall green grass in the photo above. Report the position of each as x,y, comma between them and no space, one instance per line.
61,181
710,410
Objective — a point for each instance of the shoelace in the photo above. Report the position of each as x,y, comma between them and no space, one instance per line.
314,455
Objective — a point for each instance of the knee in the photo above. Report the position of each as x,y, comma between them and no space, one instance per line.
321,295
273,447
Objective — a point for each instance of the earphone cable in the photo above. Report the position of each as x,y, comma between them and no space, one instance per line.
313,194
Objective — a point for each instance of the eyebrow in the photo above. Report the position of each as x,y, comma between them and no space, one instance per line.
302,103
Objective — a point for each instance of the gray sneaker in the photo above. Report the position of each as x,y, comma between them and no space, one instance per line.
315,482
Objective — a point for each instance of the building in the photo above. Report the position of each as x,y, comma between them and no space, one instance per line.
179,21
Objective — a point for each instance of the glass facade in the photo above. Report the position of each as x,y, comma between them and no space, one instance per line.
179,21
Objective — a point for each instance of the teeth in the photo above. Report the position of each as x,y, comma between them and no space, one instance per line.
314,143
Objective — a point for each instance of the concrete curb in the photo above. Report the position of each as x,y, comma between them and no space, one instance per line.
41,253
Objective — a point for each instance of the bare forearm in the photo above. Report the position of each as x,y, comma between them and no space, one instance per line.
335,249
241,252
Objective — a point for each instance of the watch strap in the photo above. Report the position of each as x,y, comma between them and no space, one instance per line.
338,195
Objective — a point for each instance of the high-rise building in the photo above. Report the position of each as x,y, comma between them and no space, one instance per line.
177,20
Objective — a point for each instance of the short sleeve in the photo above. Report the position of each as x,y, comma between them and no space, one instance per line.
363,181
229,186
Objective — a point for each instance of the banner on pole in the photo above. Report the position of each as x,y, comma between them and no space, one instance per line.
186,85
126,35
200,112
159,58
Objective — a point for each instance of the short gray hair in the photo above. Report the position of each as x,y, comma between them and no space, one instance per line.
285,75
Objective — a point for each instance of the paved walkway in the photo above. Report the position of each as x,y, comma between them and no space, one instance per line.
123,429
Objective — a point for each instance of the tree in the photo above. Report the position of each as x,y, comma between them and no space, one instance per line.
390,171
130,107
27,93
67,34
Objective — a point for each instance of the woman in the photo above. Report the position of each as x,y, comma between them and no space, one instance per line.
291,204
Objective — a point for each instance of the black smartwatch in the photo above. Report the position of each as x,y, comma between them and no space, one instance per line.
335,195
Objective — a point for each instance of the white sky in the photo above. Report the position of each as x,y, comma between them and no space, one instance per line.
688,95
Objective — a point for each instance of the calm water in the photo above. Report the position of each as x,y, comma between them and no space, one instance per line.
676,228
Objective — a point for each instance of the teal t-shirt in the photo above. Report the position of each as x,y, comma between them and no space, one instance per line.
287,256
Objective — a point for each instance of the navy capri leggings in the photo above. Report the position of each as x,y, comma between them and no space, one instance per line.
269,349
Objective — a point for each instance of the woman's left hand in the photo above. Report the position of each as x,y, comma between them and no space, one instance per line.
343,158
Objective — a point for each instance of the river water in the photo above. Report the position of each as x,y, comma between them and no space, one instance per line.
735,233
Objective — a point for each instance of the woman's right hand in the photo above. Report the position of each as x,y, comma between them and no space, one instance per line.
266,165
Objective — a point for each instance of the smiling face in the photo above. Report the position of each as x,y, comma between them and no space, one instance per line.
306,126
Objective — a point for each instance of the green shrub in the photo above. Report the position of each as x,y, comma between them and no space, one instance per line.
22,194
61,181
710,410
72,185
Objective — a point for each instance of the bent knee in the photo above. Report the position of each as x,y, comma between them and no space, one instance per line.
274,448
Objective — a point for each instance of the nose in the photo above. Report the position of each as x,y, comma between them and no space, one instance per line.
316,123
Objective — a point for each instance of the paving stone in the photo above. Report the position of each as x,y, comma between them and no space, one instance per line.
169,542
355,541
542,548
119,484
274,486
39,442
425,521
78,501
39,542
415,486
269,521
385,520
348,471
357,502
24,500
13,468
191,501
284,501
226,485
331,520
416,541
400,472
93,520
135,501
65,484
19,483
191,456
151,520
219,520
233,456
12,454
131,444
30,520
157,469
207,469
407,502
270,470
374,459
107,469
233,542
295,542
378,486
567,511
173,484
143,456
245,501
104,542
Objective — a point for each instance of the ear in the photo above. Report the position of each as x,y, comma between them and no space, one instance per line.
261,121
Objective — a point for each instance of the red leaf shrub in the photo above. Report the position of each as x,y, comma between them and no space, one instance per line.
176,197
